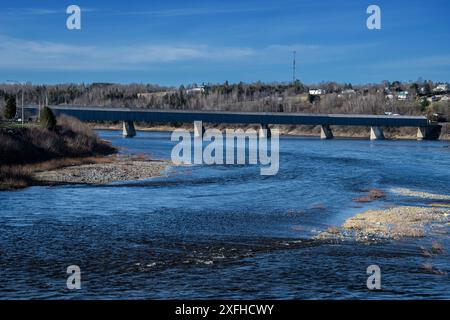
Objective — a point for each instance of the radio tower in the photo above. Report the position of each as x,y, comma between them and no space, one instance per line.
293,68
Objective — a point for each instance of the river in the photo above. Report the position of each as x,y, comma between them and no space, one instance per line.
226,231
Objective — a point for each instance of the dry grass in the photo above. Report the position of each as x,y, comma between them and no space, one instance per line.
12,177
32,144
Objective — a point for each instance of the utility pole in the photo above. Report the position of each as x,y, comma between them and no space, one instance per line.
46,96
21,89
293,67
23,114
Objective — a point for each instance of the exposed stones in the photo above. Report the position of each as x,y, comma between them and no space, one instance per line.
393,223
103,173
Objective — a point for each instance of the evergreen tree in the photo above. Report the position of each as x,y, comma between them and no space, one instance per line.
47,119
10,108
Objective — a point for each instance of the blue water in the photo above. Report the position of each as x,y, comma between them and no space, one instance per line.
226,231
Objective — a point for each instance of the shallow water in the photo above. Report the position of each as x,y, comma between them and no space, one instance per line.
226,231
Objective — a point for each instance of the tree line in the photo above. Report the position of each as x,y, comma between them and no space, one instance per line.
258,96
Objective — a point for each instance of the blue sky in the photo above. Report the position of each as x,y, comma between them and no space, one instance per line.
180,42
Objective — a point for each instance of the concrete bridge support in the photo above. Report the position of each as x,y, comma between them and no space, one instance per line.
264,131
431,132
128,130
199,129
325,132
376,133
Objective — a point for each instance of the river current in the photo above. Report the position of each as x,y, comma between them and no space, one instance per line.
225,231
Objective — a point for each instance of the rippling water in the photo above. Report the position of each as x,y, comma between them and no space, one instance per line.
225,231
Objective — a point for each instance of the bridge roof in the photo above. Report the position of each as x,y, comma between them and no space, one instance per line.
96,113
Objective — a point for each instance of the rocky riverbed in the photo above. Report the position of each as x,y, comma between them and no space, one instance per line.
393,223
431,215
103,173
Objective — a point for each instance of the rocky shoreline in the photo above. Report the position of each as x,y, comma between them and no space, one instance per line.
292,130
127,169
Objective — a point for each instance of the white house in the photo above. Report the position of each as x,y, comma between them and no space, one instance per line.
195,90
348,92
402,95
441,88
316,92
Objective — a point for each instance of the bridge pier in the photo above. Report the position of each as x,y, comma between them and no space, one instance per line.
376,133
199,129
264,131
429,132
325,132
128,130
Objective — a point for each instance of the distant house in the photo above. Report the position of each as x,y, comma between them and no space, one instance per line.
149,95
195,90
441,88
316,92
347,93
424,90
402,95
144,95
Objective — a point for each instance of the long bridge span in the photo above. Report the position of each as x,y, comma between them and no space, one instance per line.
426,129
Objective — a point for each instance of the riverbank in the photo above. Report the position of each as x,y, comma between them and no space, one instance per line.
71,154
403,133
27,149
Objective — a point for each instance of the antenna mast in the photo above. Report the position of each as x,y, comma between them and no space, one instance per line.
293,68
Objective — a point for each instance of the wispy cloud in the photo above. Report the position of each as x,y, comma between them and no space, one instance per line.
25,54
179,12
20,54
30,54
191,11
37,11
40,11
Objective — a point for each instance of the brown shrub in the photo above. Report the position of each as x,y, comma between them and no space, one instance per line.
32,144
75,125
13,177
372,195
